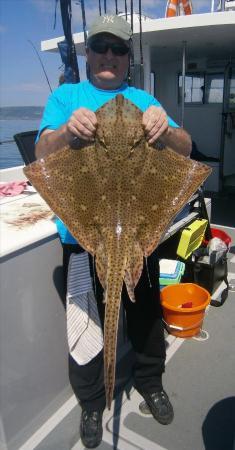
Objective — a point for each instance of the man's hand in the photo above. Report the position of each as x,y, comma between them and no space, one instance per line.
82,124
155,122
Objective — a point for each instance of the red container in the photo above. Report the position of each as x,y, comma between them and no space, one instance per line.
221,235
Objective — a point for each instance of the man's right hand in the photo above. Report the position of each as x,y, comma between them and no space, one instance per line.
82,124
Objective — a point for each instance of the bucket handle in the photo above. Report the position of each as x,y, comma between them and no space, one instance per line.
177,328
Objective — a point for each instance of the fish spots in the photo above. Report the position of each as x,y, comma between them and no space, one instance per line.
84,169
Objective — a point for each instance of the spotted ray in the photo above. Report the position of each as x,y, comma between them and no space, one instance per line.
117,196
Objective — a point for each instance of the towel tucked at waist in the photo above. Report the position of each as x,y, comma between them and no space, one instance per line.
84,331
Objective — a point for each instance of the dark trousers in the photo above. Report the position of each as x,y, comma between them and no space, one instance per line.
145,331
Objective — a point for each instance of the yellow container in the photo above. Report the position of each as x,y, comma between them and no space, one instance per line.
191,238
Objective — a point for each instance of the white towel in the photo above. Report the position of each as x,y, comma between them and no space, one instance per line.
84,331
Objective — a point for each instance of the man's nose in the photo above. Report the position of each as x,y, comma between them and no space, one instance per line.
109,54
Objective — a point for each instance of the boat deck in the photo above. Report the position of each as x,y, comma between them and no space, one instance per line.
199,379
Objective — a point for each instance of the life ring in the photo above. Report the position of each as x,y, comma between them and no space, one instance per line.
173,5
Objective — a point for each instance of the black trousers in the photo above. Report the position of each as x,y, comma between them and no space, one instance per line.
145,331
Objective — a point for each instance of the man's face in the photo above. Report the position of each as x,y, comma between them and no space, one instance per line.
107,70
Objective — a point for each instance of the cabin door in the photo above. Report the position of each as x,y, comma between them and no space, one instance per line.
227,151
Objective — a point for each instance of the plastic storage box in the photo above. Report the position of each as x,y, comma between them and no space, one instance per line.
191,238
171,271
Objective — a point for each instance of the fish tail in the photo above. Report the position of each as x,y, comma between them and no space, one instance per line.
115,276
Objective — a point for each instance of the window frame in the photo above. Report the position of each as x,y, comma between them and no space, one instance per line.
192,73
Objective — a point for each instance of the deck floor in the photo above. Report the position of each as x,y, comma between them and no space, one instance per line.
200,380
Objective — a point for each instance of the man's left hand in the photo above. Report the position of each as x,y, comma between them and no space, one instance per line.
155,122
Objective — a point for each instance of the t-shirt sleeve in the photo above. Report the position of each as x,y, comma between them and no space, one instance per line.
155,102
55,113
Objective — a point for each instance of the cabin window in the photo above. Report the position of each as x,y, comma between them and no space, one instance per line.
194,88
214,88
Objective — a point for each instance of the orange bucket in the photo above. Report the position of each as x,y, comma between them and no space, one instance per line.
184,308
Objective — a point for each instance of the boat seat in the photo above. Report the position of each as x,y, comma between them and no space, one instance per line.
25,142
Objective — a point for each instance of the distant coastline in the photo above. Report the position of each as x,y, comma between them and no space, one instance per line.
21,112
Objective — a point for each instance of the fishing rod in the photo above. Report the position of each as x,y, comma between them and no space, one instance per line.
83,21
100,7
131,71
43,68
8,141
126,9
141,48
116,6
132,15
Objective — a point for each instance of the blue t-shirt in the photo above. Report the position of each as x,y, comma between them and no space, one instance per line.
69,97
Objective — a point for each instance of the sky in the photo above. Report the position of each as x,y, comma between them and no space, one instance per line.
22,81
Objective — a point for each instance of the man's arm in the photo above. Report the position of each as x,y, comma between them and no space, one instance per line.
82,124
155,122
52,140
178,139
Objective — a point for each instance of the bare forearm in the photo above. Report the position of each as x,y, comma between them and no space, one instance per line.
178,139
81,125
51,141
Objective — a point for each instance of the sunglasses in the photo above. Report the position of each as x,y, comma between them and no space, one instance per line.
101,47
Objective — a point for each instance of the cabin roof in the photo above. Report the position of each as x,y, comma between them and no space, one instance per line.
212,33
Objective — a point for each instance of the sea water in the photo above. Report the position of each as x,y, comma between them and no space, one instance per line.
9,153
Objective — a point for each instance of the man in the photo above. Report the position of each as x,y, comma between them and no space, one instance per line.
70,116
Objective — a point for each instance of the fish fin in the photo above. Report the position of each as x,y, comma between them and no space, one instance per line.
133,270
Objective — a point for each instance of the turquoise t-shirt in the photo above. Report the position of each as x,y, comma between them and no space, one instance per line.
69,97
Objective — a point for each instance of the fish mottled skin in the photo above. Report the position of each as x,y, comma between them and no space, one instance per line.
117,196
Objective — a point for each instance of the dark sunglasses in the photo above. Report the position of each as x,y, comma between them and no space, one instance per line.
102,47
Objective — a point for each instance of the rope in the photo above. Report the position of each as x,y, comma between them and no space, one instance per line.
147,269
